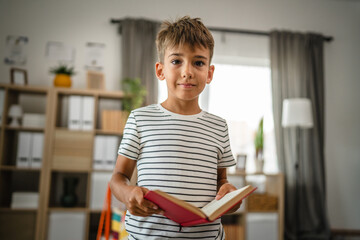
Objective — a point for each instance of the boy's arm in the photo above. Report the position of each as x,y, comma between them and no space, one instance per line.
131,196
225,187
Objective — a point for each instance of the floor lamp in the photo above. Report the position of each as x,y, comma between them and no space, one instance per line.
297,113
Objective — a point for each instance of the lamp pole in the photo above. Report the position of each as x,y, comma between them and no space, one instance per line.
297,113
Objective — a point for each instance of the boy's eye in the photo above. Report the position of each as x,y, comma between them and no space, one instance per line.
175,61
199,63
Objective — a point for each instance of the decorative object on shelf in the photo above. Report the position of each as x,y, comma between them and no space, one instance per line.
135,91
69,198
15,113
95,80
63,75
35,120
259,147
240,162
18,76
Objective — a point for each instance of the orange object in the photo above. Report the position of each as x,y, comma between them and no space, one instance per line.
62,80
105,216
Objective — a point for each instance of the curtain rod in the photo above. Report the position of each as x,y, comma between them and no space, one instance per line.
241,31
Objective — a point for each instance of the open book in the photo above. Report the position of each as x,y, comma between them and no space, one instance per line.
187,214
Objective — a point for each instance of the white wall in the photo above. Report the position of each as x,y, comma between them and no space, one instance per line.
76,22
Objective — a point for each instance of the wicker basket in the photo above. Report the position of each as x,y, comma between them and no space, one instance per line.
262,202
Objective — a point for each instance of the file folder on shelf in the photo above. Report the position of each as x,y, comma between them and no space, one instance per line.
99,143
23,149
110,152
87,113
37,150
74,112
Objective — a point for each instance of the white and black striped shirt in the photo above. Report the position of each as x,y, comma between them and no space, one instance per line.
180,155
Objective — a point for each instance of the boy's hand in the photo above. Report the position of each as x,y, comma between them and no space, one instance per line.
138,205
225,189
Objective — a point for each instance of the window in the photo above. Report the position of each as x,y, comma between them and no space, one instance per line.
242,95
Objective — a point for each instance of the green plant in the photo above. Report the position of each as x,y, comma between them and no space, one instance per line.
136,92
259,139
63,69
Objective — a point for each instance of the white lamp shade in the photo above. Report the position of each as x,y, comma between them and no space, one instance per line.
15,111
297,112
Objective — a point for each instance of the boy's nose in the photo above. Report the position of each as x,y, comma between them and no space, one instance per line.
187,72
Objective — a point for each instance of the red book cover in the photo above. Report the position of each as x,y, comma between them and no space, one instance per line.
187,214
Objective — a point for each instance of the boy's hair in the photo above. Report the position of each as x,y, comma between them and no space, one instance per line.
185,30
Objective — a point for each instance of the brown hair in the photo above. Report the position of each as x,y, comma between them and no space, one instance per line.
185,30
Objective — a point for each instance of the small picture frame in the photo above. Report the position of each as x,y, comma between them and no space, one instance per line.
18,76
241,162
95,80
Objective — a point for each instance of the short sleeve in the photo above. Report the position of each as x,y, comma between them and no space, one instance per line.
226,159
130,143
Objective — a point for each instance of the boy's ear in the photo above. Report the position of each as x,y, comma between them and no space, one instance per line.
210,74
159,70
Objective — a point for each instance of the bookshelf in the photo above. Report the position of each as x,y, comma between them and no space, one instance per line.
66,154
15,178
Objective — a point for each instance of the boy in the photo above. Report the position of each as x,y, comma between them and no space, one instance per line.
177,147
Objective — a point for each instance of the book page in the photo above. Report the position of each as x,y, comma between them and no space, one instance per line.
217,207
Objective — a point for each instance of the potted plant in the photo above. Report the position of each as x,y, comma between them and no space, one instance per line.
63,75
259,147
135,94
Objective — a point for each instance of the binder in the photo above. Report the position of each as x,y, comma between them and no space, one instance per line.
23,149
87,113
37,150
111,145
66,225
28,200
98,155
74,112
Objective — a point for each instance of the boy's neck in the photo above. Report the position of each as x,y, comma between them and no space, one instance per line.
184,108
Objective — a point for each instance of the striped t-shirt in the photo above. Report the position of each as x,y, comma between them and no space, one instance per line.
180,155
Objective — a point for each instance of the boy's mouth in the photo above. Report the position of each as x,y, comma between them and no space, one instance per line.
186,85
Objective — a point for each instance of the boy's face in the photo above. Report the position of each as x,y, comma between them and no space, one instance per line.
186,72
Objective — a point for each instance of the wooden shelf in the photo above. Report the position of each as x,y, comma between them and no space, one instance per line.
74,130
71,170
69,209
26,89
27,129
91,92
103,132
20,169
101,170
18,209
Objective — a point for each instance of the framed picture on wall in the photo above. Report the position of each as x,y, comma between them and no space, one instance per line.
18,76
241,162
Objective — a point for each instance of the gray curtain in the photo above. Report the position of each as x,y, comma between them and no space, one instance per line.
138,53
297,71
